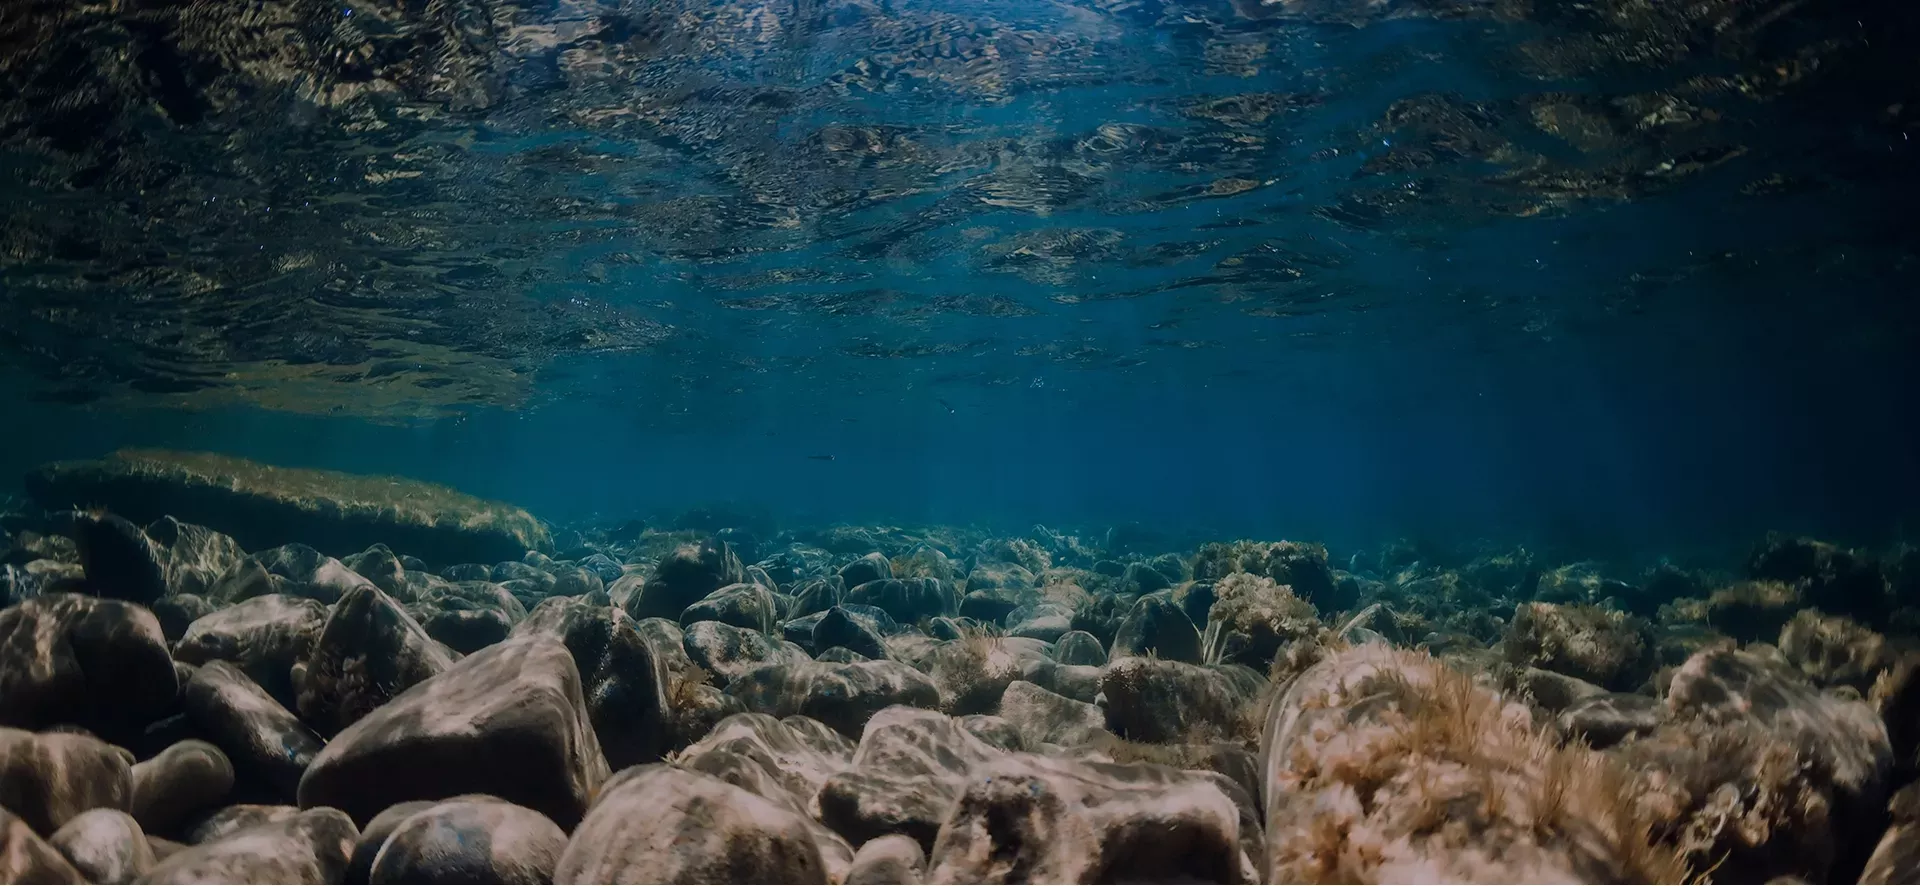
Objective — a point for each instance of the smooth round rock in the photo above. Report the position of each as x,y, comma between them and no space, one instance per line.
106,845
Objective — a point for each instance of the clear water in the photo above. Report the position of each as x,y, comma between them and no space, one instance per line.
1625,279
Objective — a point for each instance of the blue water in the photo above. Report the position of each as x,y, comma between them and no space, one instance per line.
1636,369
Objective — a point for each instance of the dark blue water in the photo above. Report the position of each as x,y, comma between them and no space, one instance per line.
1013,263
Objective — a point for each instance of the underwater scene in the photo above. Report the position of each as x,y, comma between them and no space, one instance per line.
959,441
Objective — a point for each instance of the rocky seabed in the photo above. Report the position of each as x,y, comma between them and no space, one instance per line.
879,705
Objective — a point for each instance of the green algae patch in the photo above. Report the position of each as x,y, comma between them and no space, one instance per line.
263,506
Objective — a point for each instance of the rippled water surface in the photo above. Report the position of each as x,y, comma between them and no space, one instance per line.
1633,258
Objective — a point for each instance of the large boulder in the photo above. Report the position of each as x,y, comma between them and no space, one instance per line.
263,636
188,777
845,628
843,696
1385,765
1833,650
872,567
622,678
1043,717
1022,818
661,824
106,845
1157,625
121,562
1606,647
49,778
683,576
470,840
98,664
467,616
196,557
1301,566
894,858
269,747
1253,621
798,754
745,605
908,600
903,778
1760,773
262,506
369,651
1154,700
726,652
308,848
508,721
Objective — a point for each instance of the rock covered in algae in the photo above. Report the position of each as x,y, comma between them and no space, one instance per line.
1383,765
263,506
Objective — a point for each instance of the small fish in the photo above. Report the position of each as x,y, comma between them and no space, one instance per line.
950,409
821,457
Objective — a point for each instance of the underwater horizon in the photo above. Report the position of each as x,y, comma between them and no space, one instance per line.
959,441
1614,277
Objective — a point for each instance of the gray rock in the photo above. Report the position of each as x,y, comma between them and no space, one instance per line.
178,612
263,637
468,616
683,576
1834,650
621,677
840,627
1078,682
1162,701
106,845
1020,818
843,696
1139,578
726,652
1253,621
872,567
1045,622
119,559
799,753
660,824
374,836
508,721
1156,624
1005,576
894,858
1605,647
49,778
1370,753
25,858
268,746
904,777
471,840
369,651
577,581
1079,648
188,777
817,595
840,655
311,847
989,606
908,600
378,564
1762,774
745,605
1044,717
94,663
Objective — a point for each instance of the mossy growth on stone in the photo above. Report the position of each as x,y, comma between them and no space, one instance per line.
263,505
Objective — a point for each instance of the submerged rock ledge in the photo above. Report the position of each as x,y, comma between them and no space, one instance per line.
263,506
